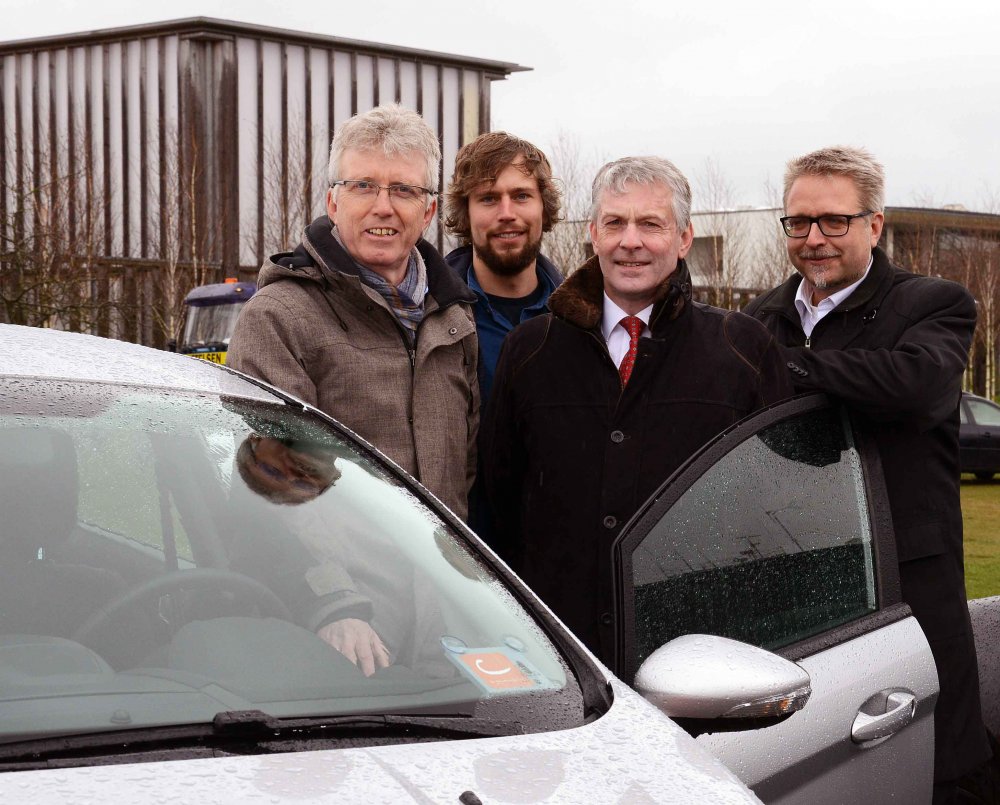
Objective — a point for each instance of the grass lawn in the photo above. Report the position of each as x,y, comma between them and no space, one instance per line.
981,516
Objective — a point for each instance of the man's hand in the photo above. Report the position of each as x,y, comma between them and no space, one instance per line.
357,641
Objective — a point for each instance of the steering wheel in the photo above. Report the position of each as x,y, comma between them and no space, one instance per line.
95,630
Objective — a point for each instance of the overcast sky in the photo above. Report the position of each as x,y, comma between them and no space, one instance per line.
745,84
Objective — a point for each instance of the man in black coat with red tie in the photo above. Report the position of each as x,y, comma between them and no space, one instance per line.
595,404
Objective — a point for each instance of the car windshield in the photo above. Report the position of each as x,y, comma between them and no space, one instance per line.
210,325
168,556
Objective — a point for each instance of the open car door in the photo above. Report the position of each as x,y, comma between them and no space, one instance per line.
777,534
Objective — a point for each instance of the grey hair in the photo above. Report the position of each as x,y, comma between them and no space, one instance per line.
394,130
856,164
644,171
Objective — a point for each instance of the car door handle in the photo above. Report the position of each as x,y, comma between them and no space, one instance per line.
900,708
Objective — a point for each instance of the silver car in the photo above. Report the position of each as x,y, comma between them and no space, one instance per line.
212,592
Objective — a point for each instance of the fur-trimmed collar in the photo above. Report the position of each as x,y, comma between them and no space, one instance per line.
580,299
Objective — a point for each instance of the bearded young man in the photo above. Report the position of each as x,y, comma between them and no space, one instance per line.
500,201
893,346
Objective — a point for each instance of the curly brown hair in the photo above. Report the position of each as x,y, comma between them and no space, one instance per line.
482,160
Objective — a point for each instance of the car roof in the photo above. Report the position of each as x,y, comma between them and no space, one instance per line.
37,352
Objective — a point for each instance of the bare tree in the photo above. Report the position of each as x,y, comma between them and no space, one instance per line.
969,254
50,245
989,199
986,288
721,259
567,245
183,240
982,279
291,197
973,259
60,265
771,265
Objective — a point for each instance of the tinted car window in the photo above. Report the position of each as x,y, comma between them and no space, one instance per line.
179,553
769,546
983,412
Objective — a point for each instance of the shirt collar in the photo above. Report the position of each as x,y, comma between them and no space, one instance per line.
473,282
613,315
803,296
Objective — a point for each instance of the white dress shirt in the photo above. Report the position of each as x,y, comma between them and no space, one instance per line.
616,337
811,314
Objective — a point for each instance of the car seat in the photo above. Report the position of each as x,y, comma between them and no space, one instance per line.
38,513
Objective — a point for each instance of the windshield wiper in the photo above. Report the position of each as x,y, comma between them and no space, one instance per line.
448,725
247,732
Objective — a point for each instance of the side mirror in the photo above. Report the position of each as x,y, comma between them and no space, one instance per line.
711,677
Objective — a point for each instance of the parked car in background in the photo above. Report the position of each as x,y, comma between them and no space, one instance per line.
176,538
979,436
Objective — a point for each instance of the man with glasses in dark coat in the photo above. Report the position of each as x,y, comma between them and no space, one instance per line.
893,346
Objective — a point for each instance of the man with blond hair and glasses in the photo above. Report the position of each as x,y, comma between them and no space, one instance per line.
365,321
893,346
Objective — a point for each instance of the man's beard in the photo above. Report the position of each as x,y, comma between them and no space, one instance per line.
820,277
509,264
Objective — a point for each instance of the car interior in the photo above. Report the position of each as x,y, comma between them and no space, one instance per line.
124,565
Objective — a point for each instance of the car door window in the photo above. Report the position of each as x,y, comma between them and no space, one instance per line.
771,544
984,413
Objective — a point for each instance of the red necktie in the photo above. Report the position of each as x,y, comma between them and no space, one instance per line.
633,324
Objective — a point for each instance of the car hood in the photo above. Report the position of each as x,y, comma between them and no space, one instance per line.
632,754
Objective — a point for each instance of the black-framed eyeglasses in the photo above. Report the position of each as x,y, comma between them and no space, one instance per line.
833,226
363,189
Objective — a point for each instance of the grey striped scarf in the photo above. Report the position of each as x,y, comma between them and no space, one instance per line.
405,300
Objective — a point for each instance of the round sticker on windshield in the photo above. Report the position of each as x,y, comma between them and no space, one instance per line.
499,669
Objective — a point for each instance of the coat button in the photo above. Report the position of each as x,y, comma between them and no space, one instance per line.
452,331
617,436
606,618
610,521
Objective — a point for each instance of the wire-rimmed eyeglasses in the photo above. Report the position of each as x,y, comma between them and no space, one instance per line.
363,189
832,226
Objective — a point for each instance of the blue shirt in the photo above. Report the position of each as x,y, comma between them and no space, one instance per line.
491,325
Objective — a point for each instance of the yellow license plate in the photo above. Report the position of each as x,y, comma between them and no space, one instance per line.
214,357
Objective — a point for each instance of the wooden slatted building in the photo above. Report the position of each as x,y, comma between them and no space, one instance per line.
138,162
